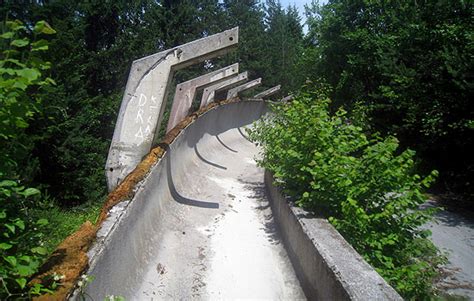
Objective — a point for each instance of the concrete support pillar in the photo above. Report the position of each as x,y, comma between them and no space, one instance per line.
268,93
186,91
142,106
234,92
209,93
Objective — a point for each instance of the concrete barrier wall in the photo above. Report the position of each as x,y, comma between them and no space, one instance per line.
326,265
126,241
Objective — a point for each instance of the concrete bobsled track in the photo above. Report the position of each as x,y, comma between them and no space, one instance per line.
193,218
199,225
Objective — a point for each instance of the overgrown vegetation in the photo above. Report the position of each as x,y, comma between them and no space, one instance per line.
21,239
406,65
54,135
410,63
31,223
365,185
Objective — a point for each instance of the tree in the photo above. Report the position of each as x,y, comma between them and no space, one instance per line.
410,65
284,36
248,16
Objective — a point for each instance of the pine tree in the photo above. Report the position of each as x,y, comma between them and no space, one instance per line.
248,16
284,37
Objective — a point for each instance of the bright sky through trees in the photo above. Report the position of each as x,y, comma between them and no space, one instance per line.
300,6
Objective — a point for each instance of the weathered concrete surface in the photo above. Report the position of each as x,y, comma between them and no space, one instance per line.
186,91
234,92
147,86
327,266
208,95
454,234
267,93
199,225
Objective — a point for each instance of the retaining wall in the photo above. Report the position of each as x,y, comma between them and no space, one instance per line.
327,267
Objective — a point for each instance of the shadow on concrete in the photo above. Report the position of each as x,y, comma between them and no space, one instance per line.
243,135
207,161
224,145
449,218
229,116
270,227
175,194
452,219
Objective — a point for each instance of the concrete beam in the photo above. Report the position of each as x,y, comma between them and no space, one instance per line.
142,105
186,91
268,93
234,92
208,95
287,98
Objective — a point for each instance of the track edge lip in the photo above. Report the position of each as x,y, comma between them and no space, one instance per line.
327,266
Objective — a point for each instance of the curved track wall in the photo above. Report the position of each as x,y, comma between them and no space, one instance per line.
127,239
193,220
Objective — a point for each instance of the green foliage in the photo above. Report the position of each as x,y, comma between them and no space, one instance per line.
284,36
248,16
21,70
21,238
21,247
366,187
410,63
62,221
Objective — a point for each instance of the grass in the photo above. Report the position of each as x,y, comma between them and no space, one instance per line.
64,221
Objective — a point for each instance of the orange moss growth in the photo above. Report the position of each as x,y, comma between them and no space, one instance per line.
125,190
70,258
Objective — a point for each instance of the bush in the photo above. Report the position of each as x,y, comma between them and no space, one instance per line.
364,185
21,239
411,65
21,246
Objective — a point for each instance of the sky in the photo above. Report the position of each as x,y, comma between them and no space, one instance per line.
300,6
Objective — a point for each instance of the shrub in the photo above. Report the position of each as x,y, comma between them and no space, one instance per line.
364,185
21,250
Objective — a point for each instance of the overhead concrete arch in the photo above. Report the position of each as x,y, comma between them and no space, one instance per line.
287,98
142,106
234,92
186,91
209,93
267,93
